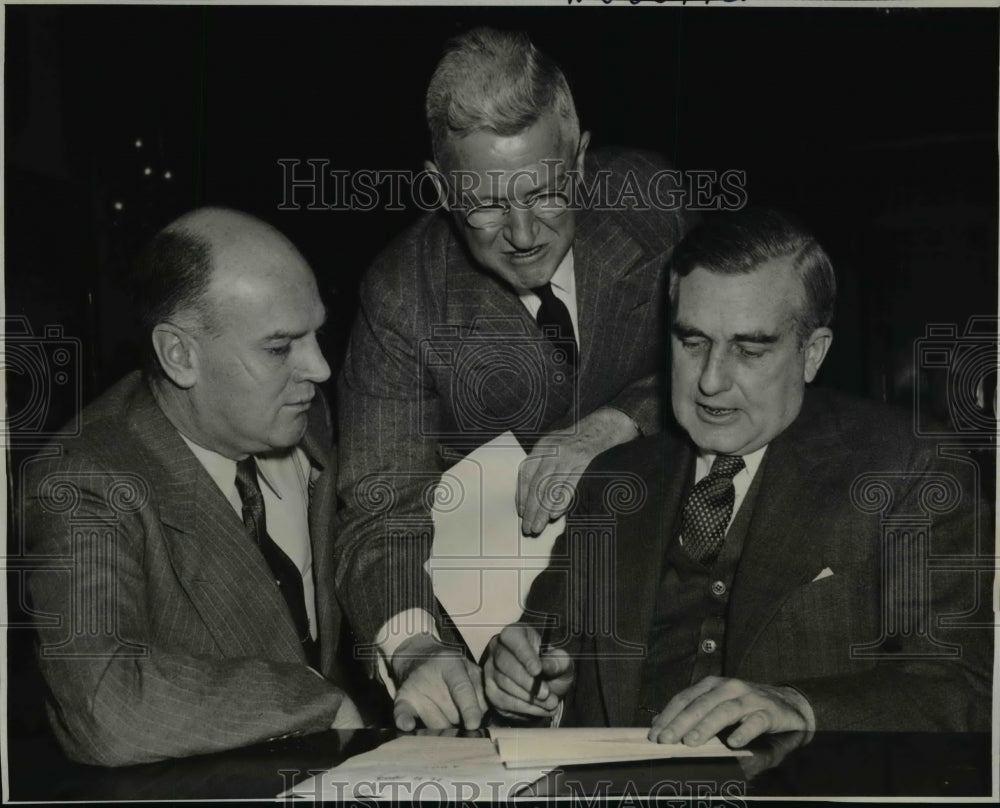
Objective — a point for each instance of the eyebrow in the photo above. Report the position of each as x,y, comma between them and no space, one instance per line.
683,330
279,335
758,337
556,177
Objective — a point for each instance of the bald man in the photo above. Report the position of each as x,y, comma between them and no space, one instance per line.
187,609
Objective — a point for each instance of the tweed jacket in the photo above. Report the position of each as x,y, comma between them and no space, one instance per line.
443,357
161,632
849,586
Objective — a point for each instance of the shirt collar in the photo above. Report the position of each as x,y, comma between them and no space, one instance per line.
222,469
563,279
752,462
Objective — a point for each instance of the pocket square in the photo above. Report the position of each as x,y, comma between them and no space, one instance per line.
826,572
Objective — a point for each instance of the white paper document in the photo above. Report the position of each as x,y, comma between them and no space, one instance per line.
420,767
550,748
480,564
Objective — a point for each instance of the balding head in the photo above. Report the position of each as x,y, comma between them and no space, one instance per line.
196,256
232,310
225,230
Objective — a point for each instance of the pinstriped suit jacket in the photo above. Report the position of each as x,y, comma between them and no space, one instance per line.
783,625
443,356
161,631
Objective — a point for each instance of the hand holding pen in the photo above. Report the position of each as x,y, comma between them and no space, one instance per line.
523,674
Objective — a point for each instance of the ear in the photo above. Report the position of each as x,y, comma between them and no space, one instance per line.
816,347
437,177
581,153
177,354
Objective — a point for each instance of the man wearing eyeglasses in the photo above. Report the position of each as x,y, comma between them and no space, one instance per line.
515,307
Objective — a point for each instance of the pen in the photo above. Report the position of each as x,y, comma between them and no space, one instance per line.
536,686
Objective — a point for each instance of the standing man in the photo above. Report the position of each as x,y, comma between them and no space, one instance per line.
194,509
790,533
508,309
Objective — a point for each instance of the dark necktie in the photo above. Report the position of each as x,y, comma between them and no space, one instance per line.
709,508
286,574
554,320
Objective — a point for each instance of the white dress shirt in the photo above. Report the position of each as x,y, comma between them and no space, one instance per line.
286,505
564,287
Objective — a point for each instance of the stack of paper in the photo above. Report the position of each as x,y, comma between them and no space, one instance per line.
421,767
448,769
549,748
480,564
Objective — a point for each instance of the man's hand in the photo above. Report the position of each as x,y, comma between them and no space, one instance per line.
347,716
701,711
437,685
512,664
548,476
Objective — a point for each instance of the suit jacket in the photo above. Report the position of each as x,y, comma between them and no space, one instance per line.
443,357
842,473
161,631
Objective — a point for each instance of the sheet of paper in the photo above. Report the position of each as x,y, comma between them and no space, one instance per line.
420,767
549,748
480,564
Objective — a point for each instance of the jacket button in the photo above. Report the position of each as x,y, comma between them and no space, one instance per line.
718,588
708,646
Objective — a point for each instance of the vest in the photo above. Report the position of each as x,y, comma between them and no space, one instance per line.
686,640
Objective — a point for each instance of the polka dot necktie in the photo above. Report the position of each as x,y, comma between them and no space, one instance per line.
286,573
554,320
709,508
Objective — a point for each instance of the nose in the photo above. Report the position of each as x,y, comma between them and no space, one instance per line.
715,374
313,367
521,227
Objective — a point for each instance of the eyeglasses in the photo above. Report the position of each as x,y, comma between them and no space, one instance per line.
543,204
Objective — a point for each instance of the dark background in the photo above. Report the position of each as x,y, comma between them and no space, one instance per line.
877,127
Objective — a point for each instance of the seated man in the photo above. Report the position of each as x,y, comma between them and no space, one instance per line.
771,571
508,309
189,607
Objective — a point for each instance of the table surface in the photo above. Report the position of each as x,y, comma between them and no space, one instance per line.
831,765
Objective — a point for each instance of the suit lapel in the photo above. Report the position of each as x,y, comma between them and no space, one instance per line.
498,332
639,571
783,543
474,294
225,577
317,444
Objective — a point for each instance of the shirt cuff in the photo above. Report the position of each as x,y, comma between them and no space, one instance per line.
394,632
802,704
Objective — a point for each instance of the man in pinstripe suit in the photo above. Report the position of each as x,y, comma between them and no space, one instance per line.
505,310
184,614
